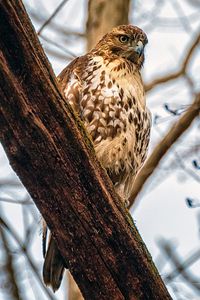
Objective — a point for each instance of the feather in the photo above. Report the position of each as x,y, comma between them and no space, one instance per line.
105,88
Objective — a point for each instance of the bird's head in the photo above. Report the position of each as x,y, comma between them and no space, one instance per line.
125,41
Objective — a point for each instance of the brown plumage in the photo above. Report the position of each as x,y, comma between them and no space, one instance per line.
105,88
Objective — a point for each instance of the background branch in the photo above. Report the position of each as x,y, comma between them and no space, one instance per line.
161,149
12,232
181,268
56,11
9,268
100,21
182,68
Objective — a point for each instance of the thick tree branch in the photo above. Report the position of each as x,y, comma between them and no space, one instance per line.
182,69
161,149
55,160
103,15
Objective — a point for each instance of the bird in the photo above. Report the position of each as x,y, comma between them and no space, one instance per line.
105,88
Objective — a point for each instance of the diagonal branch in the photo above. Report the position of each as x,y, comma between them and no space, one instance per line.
161,149
59,29
178,73
60,6
60,47
181,268
50,151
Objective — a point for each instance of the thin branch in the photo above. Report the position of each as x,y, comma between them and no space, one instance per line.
186,154
181,268
52,16
14,201
55,54
187,170
14,234
183,19
60,47
57,27
14,291
178,73
10,183
161,149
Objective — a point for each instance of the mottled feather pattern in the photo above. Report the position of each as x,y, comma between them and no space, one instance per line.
105,88
107,91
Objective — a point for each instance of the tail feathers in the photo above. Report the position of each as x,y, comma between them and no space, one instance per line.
53,266
44,237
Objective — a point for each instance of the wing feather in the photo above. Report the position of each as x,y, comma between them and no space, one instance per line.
71,83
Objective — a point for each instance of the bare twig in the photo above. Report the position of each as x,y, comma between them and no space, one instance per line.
161,149
183,166
14,201
56,54
181,268
14,234
66,32
182,16
184,155
11,183
52,16
60,47
9,268
178,73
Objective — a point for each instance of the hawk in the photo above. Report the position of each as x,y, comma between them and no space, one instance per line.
105,88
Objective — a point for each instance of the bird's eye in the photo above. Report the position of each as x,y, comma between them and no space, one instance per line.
123,39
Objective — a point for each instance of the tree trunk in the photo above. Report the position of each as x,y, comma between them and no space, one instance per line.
103,15
49,150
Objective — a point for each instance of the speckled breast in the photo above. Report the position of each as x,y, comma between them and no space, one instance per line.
115,114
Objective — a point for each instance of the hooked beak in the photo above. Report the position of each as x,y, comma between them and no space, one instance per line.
139,48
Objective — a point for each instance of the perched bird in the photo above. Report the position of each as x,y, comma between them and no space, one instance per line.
105,88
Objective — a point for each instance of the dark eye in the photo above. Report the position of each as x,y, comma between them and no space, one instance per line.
123,39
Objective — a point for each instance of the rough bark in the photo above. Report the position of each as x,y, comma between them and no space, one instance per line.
103,15
49,150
